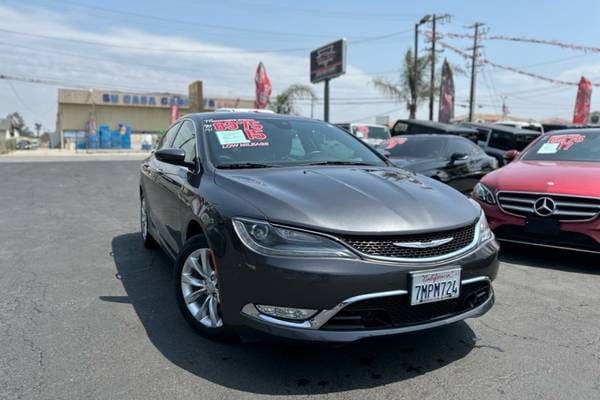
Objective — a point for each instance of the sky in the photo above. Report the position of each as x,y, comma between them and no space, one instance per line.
162,46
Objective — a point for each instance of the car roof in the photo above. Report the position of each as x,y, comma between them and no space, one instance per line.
573,131
436,125
503,128
243,115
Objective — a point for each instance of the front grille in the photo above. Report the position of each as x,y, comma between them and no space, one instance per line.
396,311
571,240
383,246
568,208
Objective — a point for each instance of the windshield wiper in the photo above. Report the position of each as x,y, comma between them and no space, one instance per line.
342,163
246,165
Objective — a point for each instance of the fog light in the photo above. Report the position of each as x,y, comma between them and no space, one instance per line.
286,312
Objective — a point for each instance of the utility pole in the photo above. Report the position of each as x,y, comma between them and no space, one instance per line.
326,102
415,83
476,26
434,19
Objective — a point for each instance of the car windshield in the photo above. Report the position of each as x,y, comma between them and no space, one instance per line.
268,142
580,146
416,147
371,132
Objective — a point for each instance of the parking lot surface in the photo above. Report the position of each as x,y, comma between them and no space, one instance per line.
87,312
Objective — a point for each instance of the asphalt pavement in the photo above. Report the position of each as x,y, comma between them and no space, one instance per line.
87,312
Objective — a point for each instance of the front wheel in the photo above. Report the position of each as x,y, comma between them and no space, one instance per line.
197,288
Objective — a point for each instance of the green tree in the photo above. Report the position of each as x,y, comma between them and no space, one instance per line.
17,124
283,103
408,82
402,90
38,128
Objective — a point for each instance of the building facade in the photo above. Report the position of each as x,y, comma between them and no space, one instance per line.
147,114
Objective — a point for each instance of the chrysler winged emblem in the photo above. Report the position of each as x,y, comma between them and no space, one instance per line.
424,245
544,206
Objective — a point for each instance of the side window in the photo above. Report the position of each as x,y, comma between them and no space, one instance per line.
460,146
501,140
167,139
186,140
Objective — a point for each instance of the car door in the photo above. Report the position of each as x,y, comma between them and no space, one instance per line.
172,181
151,170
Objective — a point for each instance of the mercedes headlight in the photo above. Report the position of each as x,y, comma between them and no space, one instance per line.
266,239
485,232
483,193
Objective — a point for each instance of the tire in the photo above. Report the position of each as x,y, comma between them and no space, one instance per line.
197,289
147,238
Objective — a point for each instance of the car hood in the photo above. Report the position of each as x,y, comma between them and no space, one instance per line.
416,164
351,200
564,177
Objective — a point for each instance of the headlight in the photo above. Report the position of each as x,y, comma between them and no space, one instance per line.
485,232
483,193
266,239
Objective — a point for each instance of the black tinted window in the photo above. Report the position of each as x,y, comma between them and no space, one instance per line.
167,139
502,140
186,140
460,146
416,147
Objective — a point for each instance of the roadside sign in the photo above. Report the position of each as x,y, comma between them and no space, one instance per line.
328,61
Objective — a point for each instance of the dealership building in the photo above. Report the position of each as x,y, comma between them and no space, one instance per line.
81,112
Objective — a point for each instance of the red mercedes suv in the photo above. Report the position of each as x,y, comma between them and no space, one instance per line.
549,195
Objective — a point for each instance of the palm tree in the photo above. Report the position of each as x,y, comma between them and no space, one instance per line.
409,81
284,102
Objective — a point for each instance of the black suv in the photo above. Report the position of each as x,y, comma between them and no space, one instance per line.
503,142
295,228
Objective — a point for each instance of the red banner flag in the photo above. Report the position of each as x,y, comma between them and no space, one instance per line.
174,113
263,87
446,112
583,102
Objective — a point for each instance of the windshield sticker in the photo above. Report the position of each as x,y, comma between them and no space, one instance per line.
252,128
364,131
565,142
231,137
548,148
395,141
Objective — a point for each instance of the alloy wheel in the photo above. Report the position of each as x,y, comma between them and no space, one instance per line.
200,289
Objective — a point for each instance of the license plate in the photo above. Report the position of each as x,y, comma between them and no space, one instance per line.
545,227
428,287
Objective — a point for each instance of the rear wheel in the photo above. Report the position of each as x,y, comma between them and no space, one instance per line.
147,238
197,288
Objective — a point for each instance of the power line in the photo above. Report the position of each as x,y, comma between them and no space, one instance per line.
318,13
512,69
188,22
570,46
171,50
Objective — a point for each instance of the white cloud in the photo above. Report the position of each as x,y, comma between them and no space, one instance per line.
224,74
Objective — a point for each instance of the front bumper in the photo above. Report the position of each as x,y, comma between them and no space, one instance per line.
330,285
575,236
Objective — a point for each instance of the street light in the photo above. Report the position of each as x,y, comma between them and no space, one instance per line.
423,20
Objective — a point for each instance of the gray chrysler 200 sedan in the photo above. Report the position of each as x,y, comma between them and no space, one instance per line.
295,228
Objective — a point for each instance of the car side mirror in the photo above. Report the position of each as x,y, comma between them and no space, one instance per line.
510,155
458,157
173,156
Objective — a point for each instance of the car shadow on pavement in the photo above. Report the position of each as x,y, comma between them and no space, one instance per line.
265,367
548,258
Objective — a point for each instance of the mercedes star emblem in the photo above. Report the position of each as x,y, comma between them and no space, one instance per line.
544,206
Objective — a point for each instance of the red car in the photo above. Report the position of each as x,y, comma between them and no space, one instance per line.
549,195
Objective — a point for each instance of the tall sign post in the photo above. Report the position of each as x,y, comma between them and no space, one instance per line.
328,62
